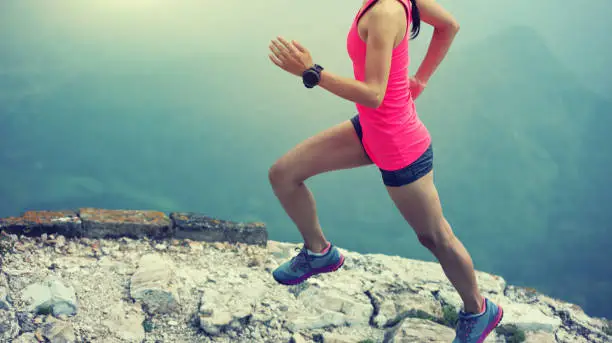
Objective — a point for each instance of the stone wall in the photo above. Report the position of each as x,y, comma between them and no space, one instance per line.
105,223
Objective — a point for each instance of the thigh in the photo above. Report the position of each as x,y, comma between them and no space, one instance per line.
332,149
419,204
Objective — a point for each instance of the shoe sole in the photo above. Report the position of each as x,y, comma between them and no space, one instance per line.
311,273
498,319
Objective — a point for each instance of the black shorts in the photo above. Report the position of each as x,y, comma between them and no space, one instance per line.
407,174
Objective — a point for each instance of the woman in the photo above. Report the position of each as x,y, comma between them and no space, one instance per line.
386,132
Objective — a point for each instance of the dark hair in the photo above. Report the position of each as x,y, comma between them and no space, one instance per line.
416,20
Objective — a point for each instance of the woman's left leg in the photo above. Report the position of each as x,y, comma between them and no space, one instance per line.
419,204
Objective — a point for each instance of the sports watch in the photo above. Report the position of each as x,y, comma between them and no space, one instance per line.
312,76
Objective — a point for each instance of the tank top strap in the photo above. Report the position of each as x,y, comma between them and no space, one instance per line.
364,8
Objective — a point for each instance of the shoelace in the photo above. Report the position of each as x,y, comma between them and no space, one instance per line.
465,328
301,260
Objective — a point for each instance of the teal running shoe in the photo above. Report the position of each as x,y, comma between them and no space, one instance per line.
474,328
304,265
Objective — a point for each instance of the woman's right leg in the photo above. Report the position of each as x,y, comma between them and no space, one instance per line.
336,148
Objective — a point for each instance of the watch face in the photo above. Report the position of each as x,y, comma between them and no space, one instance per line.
311,77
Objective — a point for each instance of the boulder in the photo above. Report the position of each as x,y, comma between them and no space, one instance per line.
50,297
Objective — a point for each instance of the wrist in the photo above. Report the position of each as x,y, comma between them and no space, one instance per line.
306,68
422,80
311,77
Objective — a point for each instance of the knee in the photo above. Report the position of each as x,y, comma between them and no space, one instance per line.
276,173
280,174
438,237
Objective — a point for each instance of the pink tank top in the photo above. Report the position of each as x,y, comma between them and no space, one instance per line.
393,134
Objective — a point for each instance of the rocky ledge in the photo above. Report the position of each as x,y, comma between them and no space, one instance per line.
138,276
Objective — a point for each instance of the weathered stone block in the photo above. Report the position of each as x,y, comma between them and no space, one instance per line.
34,223
203,228
103,223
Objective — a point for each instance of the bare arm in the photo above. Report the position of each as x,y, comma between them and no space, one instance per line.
381,35
445,29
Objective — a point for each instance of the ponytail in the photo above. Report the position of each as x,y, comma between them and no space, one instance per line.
416,20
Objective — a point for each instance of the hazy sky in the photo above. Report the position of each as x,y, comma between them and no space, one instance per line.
578,32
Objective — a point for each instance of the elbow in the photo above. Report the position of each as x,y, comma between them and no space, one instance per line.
374,99
449,28
452,27
374,102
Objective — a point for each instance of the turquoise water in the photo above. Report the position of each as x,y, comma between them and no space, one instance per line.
174,105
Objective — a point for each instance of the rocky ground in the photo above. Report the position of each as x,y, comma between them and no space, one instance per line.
59,289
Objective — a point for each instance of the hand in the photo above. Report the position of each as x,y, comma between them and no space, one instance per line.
291,57
416,86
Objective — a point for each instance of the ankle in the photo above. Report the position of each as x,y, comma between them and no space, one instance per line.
319,247
476,307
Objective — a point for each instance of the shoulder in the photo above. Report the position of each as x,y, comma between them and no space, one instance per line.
387,17
387,10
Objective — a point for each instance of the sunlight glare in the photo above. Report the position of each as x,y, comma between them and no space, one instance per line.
134,4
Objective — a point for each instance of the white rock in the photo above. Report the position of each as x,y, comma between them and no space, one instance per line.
540,337
4,298
413,330
228,307
397,299
337,338
576,320
298,321
150,284
58,331
297,338
564,336
529,318
354,310
124,321
50,295
27,337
